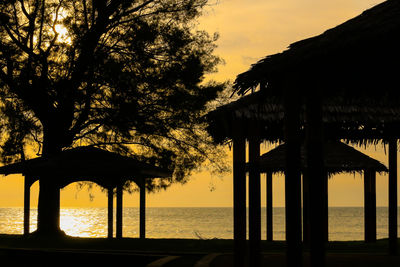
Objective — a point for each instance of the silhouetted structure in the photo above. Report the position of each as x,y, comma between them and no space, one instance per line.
107,169
66,81
235,119
338,85
339,158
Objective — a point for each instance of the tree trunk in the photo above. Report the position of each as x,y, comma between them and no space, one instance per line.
49,190
48,207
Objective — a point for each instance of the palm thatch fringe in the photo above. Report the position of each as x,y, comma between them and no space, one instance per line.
339,158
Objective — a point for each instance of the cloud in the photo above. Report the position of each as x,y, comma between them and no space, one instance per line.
249,60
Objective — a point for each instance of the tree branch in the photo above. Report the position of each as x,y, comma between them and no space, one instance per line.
23,47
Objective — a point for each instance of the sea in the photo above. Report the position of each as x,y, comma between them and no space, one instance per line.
345,223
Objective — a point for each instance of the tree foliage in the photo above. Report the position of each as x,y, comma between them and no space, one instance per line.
123,75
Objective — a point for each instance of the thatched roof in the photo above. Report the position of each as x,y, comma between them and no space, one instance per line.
87,164
358,58
354,66
339,157
352,121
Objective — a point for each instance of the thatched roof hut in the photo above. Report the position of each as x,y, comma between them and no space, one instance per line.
341,83
107,169
339,158
87,164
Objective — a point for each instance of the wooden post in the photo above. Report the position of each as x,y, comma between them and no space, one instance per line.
269,208
325,207
27,203
294,254
369,205
239,200
254,201
119,212
142,223
317,180
306,211
110,212
393,196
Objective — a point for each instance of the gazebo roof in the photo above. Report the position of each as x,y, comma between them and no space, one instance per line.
352,59
339,157
87,163
356,121
349,65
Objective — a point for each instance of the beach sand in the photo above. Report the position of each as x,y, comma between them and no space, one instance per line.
16,250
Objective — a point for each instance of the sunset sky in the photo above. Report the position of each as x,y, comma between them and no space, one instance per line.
249,30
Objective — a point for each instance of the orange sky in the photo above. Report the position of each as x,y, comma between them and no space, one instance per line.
249,30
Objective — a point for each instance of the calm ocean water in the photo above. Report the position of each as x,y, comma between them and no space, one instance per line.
344,223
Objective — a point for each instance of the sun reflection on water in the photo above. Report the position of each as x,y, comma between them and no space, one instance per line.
83,222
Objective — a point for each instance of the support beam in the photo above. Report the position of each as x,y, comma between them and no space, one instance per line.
27,203
239,200
325,210
119,211
110,212
369,205
317,180
142,223
254,202
393,196
269,209
306,212
294,254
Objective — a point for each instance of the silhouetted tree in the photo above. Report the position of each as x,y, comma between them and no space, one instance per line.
119,74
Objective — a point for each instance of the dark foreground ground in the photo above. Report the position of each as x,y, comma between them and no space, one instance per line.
16,250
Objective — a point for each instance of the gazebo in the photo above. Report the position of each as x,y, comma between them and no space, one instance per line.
107,169
339,158
334,86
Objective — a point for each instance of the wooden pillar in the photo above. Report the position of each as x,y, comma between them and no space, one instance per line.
269,209
306,211
294,252
393,196
317,180
119,211
142,223
325,215
27,203
369,205
239,200
254,201
110,212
